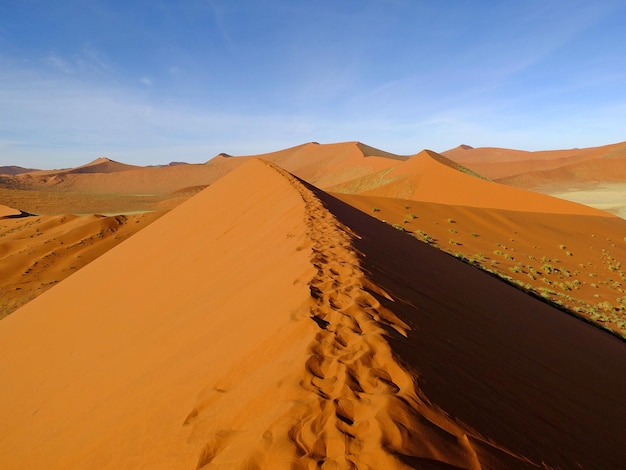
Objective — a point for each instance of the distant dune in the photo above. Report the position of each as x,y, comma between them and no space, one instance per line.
593,176
14,170
430,177
330,164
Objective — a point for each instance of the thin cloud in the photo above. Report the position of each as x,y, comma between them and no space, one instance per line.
57,63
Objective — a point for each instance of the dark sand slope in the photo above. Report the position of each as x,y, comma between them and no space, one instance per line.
250,328
526,377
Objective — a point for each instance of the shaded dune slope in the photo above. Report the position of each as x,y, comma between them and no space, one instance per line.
521,374
263,324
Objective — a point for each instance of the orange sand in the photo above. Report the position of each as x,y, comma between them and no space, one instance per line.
265,324
38,252
429,177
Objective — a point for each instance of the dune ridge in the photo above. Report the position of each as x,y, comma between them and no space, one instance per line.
362,408
349,402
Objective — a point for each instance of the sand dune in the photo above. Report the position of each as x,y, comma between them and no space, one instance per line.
14,170
429,177
517,372
119,192
583,174
129,180
265,324
330,164
600,183
105,186
143,342
570,259
6,211
593,176
500,162
38,252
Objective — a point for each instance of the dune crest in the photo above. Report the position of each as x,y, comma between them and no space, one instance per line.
354,406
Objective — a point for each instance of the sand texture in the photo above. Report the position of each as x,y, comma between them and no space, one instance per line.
265,324
37,252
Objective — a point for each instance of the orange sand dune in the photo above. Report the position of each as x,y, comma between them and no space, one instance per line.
499,163
141,180
607,169
265,324
329,164
40,251
103,165
429,177
569,258
178,315
519,373
322,164
99,165
6,211
118,192
14,170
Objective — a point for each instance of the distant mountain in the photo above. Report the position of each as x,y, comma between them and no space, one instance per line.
14,170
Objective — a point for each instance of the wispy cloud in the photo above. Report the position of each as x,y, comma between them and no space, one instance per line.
58,63
86,60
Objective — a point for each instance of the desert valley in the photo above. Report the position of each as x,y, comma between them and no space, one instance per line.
329,306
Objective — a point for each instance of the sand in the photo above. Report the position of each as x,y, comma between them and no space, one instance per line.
429,177
265,324
606,196
38,252
592,176
6,211
568,258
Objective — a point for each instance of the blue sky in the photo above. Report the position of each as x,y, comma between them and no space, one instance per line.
155,81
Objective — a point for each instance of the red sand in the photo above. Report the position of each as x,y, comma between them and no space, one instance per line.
499,163
262,324
428,177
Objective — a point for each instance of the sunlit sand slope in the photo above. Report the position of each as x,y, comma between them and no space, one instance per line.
430,177
37,252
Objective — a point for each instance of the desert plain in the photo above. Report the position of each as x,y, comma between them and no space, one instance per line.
329,306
